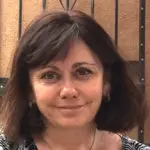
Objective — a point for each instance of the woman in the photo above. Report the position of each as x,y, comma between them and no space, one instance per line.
69,89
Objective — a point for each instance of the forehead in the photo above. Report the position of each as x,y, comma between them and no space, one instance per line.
78,52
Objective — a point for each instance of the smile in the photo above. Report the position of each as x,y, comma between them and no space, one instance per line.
71,107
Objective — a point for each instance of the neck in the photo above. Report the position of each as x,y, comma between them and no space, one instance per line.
62,138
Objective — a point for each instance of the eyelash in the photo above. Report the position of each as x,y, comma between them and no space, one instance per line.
81,73
48,76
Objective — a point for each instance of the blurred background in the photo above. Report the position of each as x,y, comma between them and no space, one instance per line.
127,22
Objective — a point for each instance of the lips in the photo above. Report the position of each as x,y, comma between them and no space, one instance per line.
71,107
65,107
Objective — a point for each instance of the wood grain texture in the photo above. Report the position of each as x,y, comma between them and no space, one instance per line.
54,5
9,33
105,15
128,29
30,10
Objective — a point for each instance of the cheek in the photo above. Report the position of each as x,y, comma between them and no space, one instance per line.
44,93
93,90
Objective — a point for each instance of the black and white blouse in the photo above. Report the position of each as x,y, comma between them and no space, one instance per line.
127,144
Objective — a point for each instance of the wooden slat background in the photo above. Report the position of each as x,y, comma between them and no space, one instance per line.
128,31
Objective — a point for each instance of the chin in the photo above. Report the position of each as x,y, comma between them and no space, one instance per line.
71,124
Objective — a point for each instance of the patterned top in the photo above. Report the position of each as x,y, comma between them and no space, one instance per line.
127,144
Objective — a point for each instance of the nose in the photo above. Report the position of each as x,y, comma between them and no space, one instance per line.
68,91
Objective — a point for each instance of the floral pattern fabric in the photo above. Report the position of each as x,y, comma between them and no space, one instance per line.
127,144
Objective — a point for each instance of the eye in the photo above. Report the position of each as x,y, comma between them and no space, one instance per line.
51,76
83,73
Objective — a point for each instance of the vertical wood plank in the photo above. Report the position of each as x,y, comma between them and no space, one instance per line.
9,33
128,29
30,10
105,15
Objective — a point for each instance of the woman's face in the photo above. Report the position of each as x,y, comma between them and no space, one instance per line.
68,92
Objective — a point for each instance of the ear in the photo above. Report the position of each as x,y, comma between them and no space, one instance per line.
106,89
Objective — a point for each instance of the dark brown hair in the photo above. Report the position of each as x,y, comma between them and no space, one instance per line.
47,37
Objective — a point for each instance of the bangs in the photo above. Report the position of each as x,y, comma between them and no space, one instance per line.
52,42
51,36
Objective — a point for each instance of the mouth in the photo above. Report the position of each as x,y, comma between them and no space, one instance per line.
71,110
71,107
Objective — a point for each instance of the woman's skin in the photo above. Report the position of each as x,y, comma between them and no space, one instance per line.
68,92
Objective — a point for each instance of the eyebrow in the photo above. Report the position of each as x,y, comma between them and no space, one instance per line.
51,66
75,65
83,63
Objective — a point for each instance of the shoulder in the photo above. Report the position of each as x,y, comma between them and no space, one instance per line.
108,140
118,141
22,144
130,144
